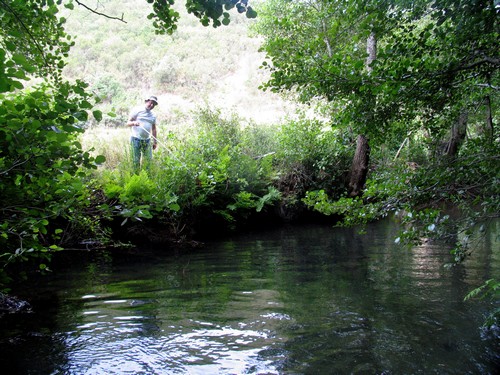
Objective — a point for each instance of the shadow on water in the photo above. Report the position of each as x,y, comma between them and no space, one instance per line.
293,300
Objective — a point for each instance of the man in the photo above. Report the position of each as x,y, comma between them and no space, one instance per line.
143,125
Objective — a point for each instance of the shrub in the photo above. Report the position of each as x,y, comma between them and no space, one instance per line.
44,185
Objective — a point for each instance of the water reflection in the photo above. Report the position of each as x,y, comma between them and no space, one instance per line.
302,300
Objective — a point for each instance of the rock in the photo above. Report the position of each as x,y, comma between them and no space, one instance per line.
10,305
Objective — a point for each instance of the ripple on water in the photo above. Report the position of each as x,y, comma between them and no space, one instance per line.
221,350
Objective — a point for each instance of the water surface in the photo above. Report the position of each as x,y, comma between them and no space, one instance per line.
295,300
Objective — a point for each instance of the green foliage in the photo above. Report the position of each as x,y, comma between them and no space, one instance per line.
45,191
491,290
33,42
319,201
194,177
135,196
430,65
314,47
224,174
108,89
165,18
445,63
420,195
310,156
138,188
41,175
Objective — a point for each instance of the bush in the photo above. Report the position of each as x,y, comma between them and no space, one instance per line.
44,185
312,155
198,175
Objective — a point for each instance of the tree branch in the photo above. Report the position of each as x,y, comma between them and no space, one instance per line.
99,13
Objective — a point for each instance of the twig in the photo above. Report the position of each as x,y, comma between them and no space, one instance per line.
99,13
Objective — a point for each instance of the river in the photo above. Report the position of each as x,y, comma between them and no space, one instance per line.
304,299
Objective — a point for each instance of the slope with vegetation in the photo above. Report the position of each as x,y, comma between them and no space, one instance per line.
123,62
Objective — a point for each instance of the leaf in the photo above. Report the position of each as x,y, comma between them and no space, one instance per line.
97,115
100,159
11,46
20,59
16,85
174,207
251,13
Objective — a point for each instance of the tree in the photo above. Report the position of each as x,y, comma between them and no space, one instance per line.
434,66
434,58
41,186
448,63
33,42
323,55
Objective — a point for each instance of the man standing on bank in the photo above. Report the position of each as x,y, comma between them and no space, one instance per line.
142,121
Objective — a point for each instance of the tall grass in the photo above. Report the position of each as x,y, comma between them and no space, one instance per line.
111,142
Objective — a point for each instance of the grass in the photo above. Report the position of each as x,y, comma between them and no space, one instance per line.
113,143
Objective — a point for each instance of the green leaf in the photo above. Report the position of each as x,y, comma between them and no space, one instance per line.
174,207
100,159
16,85
251,13
11,46
20,59
97,115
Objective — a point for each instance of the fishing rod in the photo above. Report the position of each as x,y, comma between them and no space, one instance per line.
166,148
152,136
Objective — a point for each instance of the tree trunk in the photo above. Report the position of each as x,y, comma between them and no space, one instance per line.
489,118
359,168
371,50
458,132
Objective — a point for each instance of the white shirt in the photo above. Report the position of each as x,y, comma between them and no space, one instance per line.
146,120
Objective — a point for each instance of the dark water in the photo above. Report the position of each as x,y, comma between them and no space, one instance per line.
297,300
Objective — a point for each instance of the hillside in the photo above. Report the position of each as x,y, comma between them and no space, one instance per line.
197,66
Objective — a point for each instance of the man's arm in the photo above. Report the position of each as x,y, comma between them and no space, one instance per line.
153,132
132,122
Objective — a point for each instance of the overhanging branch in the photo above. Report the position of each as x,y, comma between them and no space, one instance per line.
99,13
